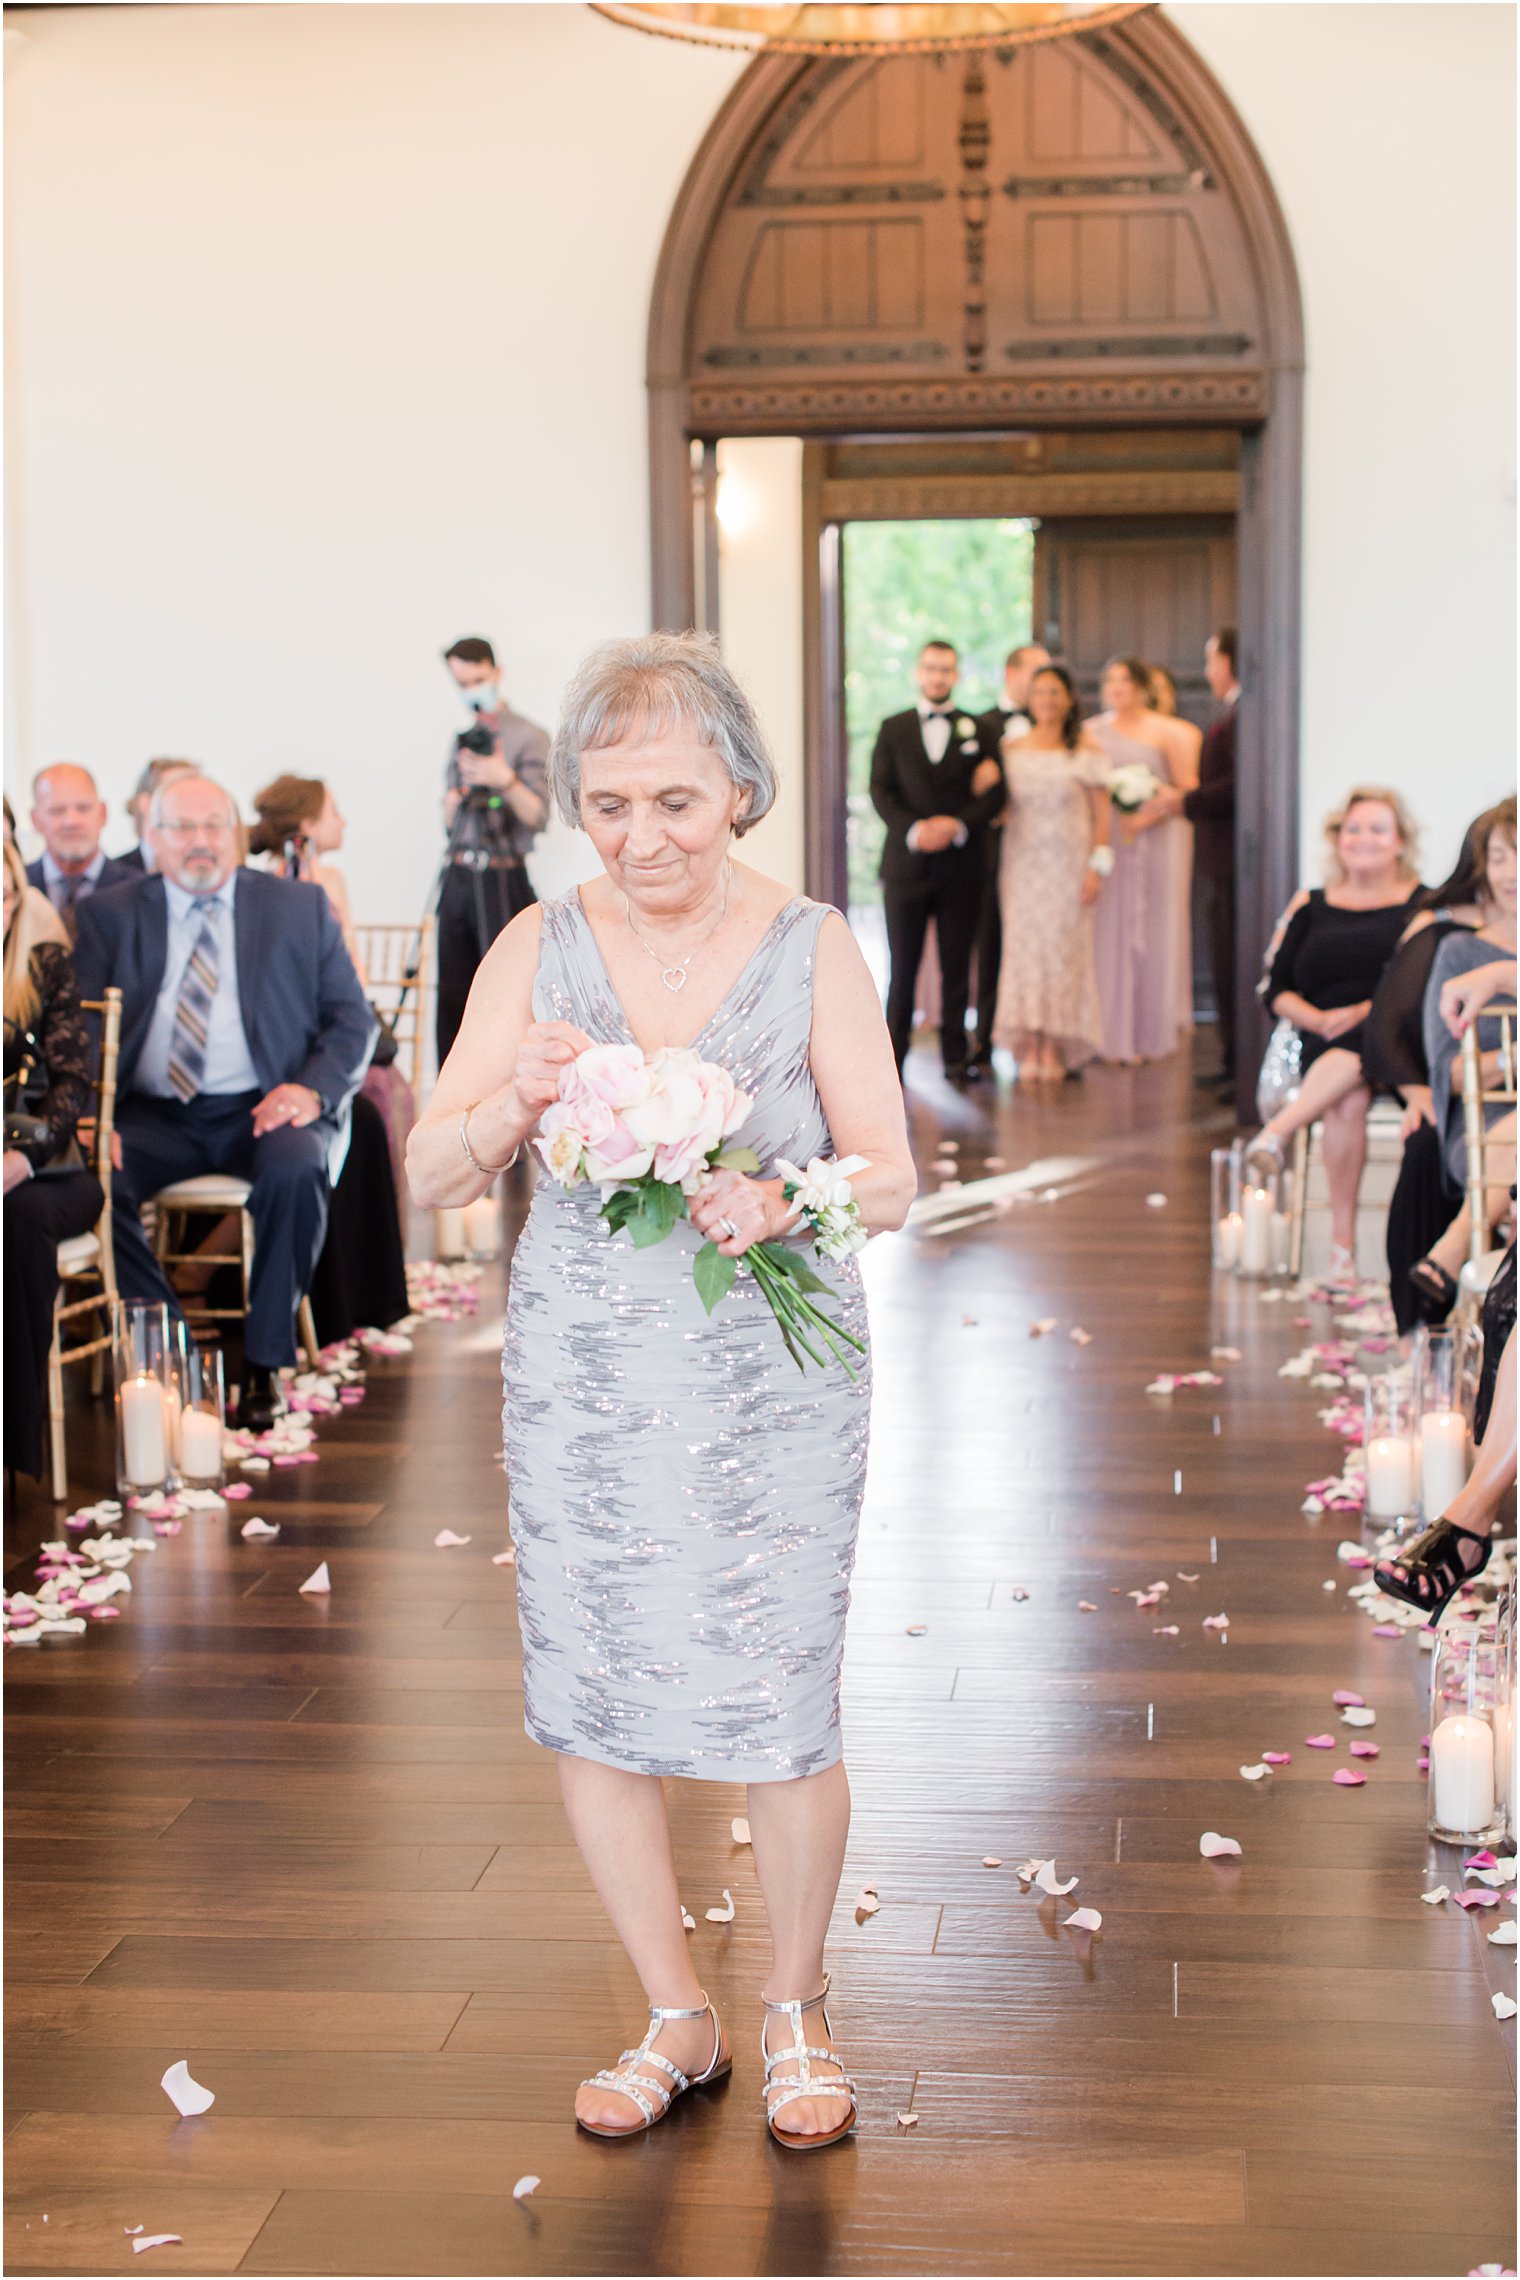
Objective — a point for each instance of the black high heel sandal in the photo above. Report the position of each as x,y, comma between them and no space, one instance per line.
1434,1289
1430,1570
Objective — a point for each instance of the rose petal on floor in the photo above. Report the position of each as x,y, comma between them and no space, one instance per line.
446,1540
1476,1899
235,1491
917,1630
1386,1631
1156,1202
255,1530
1433,1898
1083,1920
318,1580
1277,1757
1043,1328
1319,1741
1484,1859
1255,1772
1166,1630
722,1915
1358,1717
739,1830
1364,1749
866,1904
157,2240
907,2121
508,1558
1505,1936
1216,1622
1215,1847
1505,2006
183,2091
992,1860
1344,1699
1224,1353
1047,1880
688,1922
1344,1778
1086,1607
1080,1337
525,2186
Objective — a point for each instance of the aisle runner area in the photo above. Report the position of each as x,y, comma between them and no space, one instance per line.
300,1843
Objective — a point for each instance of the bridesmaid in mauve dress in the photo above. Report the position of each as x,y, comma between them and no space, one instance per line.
684,1500
1143,931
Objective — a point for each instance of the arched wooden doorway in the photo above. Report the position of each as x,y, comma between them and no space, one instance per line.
1053,281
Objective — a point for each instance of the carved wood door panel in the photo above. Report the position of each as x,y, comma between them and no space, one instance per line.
1135,588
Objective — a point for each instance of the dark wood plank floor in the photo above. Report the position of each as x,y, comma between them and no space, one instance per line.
305,1845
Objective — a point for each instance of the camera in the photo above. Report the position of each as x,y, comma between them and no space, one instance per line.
477,739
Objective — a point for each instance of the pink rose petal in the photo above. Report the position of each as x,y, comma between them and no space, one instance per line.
1277,1757
1364,1749
236,1490
1344,1699
446,1540
1476,1899
1484,1859
1386,1631
1344,1778
508,1558
1319,1741
1086,1607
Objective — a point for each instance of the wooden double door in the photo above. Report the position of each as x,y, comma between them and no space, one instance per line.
1135,586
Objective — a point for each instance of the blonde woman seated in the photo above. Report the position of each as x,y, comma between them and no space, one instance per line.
1054,860
1332,945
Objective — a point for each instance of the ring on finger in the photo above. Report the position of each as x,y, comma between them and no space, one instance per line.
729,1228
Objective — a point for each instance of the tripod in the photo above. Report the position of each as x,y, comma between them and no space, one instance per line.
459,854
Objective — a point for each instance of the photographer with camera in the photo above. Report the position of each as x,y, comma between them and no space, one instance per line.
495,804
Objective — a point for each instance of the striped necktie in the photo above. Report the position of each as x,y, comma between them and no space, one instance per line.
192,1015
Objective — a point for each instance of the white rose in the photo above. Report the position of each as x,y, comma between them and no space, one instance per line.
562,1154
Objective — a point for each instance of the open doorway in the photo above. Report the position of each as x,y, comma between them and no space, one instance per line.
905,583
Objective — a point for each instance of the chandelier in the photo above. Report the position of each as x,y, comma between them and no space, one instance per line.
873,27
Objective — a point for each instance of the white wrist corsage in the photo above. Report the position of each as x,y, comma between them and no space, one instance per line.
823,1197
1101,860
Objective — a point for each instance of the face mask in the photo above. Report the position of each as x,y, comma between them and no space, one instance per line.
484,696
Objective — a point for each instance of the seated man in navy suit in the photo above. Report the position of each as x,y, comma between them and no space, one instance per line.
244,1036
70,814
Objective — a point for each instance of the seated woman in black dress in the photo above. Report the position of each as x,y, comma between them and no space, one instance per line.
1333,944
46,1200
1423,1204
360,1282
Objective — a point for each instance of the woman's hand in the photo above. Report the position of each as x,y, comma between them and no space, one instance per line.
545,1053
1418,1109
1340,1018
1466,994
736,1211
1092,886
17,1169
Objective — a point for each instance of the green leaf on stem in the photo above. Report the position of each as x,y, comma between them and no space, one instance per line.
713,1273
737,1160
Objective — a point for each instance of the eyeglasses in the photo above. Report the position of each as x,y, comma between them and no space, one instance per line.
189,830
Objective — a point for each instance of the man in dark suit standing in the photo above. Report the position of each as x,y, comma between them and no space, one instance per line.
1006,719
71,815
244,1035
934,862
1210,807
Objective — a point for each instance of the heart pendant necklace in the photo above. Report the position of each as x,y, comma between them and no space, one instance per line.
674,976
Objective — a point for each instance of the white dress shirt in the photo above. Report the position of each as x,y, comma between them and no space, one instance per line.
229,1065
936,727
65,888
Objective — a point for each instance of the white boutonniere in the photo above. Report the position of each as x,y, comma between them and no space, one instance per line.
966,728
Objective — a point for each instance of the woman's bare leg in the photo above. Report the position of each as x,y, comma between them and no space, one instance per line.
1326,1081
1345,1128
620,1824
798,1830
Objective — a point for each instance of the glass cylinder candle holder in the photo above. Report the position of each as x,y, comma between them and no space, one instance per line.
202,1420
1465,1807
1392,1448
141,1349
1504,1714
1443,1378
482,1228
1224,1206
449,1233
1262,1215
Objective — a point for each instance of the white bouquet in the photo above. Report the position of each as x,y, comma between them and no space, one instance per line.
1131,785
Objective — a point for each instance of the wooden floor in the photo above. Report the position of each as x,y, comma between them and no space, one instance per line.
306,1846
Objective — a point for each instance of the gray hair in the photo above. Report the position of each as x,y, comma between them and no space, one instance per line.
153,774
649,686
176,783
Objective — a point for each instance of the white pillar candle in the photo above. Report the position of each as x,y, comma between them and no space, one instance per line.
482,1227
1462,1775
1282,1242
1390,1476
1256,1217
448,1238
1443,1459
1229,1240
144,1432
172,1408
200,1445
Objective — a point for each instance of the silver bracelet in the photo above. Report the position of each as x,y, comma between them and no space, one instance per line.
487,1171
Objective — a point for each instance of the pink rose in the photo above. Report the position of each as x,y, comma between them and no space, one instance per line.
674,1109
616,1075
620,1156
683,1163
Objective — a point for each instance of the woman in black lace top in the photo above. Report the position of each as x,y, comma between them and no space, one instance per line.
47,1199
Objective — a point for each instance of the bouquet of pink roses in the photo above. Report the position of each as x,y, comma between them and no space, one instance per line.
651,1132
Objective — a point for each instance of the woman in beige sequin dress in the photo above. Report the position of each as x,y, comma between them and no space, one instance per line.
1054,856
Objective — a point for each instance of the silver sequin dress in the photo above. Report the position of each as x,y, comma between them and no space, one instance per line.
684,1501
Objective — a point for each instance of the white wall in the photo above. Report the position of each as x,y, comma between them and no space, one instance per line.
760,616
325,344
1389,134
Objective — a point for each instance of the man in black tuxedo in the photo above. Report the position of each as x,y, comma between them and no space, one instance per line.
1210,807
245,1033
934,862
1006,719
70,814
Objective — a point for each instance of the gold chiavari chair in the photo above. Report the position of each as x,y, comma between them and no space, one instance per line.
397,965
1490,1161
87,1263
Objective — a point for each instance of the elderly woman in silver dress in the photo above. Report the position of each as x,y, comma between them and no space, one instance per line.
684,1501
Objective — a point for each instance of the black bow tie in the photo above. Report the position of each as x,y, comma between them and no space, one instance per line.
940,712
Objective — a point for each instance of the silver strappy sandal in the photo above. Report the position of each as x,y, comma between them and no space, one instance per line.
642,2088
786,2090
